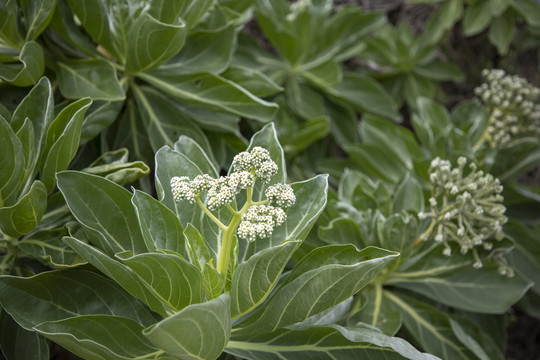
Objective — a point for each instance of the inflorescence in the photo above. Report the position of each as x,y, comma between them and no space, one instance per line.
513,105
466,207
258,219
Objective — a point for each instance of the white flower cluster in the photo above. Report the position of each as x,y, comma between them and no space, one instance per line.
514,106
221,191
259,221
465,208
281,194
258,160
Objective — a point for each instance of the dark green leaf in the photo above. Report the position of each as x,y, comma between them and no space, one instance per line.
114,166
96,337
477,17
57,295
94,78
12,165
30,69
24,216
529,10
20,344
37,15
98,117
252,80
502,31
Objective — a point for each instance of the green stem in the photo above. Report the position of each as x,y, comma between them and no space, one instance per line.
209,214
378,301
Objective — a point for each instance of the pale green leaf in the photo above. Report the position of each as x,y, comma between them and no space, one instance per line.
114,166
176,282
198,252
204,329
213,92
94,78
254,279
104,209
213,284
502,31
160,227
63,141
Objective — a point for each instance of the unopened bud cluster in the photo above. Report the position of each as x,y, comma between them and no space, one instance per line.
259,219
466,207
513,104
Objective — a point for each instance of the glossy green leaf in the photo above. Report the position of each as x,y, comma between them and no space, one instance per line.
104,209
477,290
47,245
160,227
114,166
13,166
322,279
366,95
24,216
120,273
430,328
214,92
96,337
324,342
199,331
502,31
58,295
252,80
63,141
37,15
30,69
151,42
94,78
176,282
20,344
205,51
164,119
254,279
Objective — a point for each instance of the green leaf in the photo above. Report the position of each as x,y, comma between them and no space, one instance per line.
63,141
213,284
198,252
48,247
151,42
9,28
213,92
176,282
529,10
164,120
477,17
324,342
104,209
58,295
94,78
322,279
96,337
38,106
205,330
468,341
432,126
24,216
30,69
120,273
441,21
304,100
98,117
430,328
114,166
377,311
12,165
205,51
27,138
37,15
477,290
191,148
366,95
409,195
502,31
440,71
20,344
254,279
160,227
516,158
325,75
253,80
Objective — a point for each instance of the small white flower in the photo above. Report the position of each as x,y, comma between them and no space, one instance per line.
281,194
